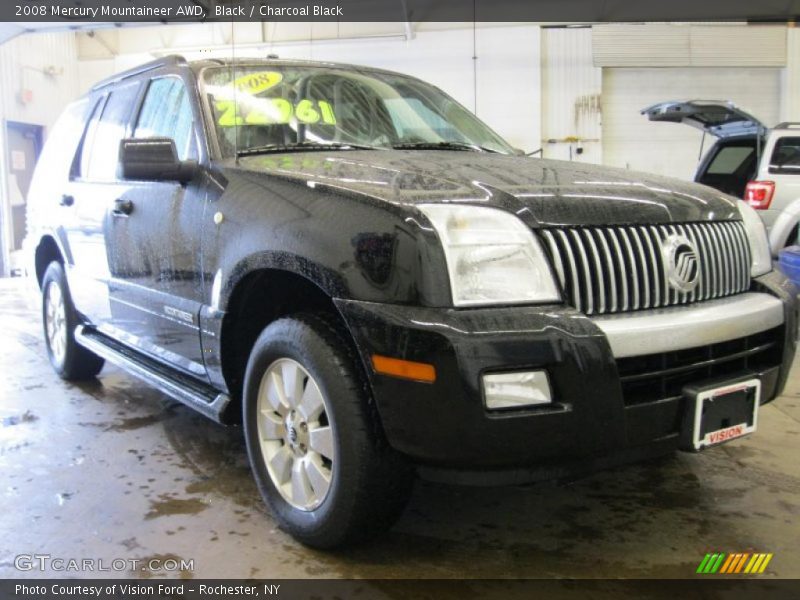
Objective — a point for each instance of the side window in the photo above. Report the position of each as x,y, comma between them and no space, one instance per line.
730,159
62,143
786,156
80,168
103,145
59,152
166,112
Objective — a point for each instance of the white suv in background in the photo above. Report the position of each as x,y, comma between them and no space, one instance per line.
748,160
775,192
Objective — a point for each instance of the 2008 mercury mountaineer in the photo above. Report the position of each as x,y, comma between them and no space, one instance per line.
375,281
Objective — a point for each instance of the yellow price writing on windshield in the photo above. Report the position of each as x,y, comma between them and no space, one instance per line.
274,111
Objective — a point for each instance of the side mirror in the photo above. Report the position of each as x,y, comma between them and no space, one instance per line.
154,159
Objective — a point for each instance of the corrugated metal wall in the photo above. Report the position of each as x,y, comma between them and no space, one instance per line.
687,45
24,64
631,141
571,87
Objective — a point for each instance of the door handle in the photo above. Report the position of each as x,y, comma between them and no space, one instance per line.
66,200
122,207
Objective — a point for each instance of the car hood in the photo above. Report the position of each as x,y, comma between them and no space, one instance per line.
542,192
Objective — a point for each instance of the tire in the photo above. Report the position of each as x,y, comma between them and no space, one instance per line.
70,360
792,238
368,483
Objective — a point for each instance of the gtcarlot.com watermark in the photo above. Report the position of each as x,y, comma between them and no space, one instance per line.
48,562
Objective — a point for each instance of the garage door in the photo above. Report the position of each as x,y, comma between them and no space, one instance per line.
631,141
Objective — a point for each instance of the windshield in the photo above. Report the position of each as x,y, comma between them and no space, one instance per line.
272,107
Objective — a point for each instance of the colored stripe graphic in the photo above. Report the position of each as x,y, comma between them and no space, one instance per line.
727,564
703,563
730,564
740,564
735,563
711,563
764,564
752,563
718,562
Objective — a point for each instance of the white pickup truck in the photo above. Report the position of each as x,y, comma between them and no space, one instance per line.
748,160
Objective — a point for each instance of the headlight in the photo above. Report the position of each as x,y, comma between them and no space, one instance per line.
759,242
492,256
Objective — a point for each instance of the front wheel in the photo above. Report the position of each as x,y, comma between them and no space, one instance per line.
314,439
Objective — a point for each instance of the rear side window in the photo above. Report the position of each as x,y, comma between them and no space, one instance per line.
81,168
785,156
100,155
55,162
166,112
730,159
62,143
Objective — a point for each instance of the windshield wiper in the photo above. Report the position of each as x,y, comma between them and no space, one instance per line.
303,146
442,146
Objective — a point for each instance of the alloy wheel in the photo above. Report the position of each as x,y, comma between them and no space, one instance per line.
56,321
295,434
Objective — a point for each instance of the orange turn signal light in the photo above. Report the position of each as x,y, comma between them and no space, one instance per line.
404,369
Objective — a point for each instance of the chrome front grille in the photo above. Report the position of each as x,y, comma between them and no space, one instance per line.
622,268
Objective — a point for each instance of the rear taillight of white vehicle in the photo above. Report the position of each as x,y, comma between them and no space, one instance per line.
758,194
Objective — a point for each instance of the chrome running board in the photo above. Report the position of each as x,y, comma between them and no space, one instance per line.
183,388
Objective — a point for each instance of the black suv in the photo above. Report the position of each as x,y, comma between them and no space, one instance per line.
375,283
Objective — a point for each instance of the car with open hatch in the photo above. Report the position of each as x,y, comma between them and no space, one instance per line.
375,284
747,159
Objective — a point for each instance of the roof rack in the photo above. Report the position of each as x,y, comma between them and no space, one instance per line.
166,61
788,125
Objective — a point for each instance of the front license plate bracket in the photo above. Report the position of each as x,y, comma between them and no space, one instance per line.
719,412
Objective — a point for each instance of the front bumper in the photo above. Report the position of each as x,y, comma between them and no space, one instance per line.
603,407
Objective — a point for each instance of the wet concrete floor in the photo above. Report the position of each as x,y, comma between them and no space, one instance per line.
113,469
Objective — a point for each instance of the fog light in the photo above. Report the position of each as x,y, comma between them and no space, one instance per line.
516,390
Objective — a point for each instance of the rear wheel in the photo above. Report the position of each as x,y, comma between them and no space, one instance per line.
314,439
69,359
